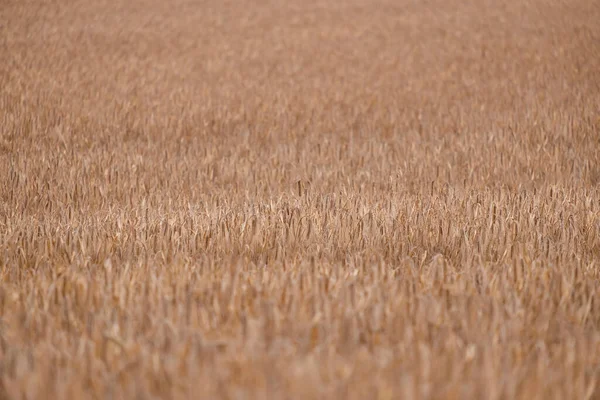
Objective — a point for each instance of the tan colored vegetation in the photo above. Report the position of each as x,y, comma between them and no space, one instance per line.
299,199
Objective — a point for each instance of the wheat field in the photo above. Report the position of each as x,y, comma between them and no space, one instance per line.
299,199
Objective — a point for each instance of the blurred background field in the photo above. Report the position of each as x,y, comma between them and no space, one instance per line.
299,199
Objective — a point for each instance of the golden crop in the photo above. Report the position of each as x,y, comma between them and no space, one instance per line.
299,199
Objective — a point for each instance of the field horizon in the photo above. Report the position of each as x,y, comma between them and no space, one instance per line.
299,199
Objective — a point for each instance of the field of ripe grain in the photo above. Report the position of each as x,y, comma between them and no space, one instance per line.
299,199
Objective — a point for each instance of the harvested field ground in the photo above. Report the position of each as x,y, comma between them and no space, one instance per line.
300,199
